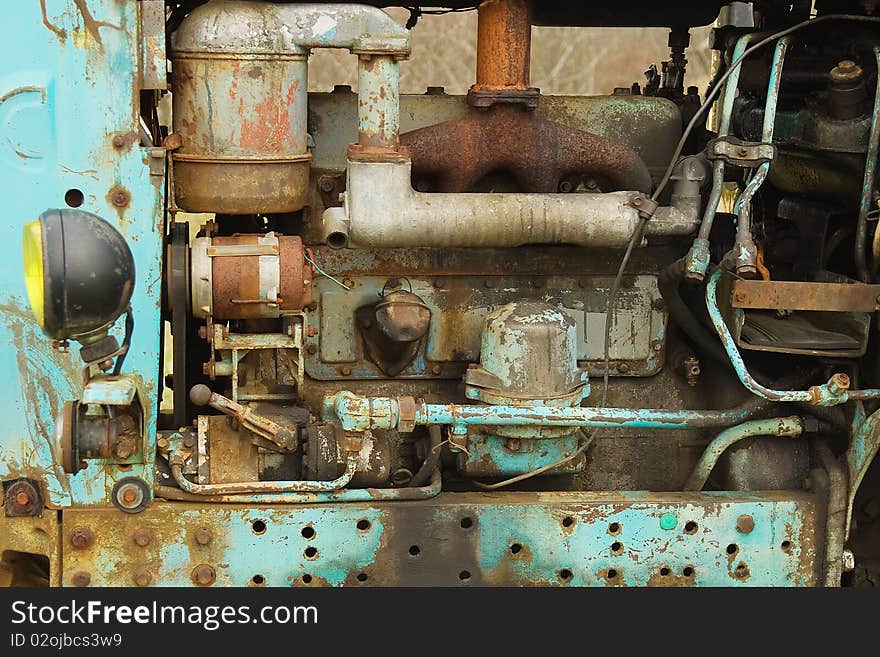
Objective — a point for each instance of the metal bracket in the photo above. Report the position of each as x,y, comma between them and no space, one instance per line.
740,153
153,64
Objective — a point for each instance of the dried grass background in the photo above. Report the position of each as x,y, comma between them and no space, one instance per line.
565,60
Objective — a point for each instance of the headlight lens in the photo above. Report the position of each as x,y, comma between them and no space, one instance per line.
33,268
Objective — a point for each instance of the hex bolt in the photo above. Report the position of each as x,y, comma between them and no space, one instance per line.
142,578
142,537
203,536
203,575
623,368
436,369
124,448
81,537
189,442
163,443
80,578
745,524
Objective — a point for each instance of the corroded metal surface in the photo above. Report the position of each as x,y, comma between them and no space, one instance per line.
536,151
798,295
550,539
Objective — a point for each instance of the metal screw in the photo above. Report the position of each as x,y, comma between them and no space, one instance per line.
142,537
80,578
348,282
203,575
81,537
142,578
657,345
203,536
745,524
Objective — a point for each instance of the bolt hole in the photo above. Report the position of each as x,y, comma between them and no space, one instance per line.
690,527
307,579
741,570
786,546
258,527
515,548
466,523
614,528
310,552
664,571
362,577
687,571
567,521
733,548
616,547
337,240
414,550
259,580
565,574
464,575
74,198
308,532
363,525
612,573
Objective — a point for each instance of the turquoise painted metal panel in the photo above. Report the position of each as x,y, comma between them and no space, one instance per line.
69,74
531,539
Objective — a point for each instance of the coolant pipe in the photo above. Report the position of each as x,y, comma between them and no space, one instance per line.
835,392
265,486
346,495
357,413
784,427
745,252
868,184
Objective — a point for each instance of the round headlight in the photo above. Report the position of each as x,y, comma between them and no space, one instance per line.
79,273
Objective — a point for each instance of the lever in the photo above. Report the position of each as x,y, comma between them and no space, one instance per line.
202,395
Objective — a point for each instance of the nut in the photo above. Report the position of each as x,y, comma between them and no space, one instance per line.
124,448
849,561
81,537
203,575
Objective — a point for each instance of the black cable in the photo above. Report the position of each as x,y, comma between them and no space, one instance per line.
126,341
667,175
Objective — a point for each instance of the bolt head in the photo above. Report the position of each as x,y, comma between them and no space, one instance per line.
623,368
118,141
203,536
142,578
22,498
81,537
203,575
436,369
849,561
142,537
346,371
81,578
312,349
162,443
745,524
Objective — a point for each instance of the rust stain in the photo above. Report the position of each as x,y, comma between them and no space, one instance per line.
59,32
91,25
269,131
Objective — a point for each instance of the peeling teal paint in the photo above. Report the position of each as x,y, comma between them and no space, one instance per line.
66,87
